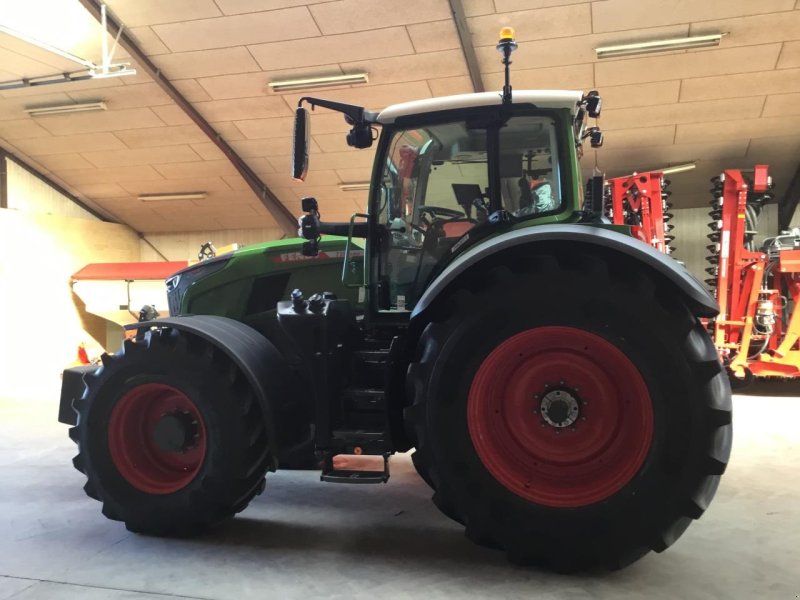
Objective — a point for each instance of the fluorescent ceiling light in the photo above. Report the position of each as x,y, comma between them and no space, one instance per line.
90,70
45,46
317,82
683,43
85,75
351,187
62,109
175,196
64,24
113,71
678,168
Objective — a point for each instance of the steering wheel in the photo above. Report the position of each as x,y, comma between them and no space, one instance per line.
439,211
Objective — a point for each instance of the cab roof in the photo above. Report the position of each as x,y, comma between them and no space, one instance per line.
540,98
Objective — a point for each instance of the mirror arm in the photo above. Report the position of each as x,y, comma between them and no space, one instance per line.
360,230
355,114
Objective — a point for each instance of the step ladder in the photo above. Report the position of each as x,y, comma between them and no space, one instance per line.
364,406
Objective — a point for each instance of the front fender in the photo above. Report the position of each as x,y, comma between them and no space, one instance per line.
262,364
699,301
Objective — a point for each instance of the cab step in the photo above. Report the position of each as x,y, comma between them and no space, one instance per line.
333,475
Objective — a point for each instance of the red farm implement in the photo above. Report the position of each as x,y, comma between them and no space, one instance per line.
641,200
758,289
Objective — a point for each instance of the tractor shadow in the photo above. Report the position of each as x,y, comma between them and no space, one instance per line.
398,521
384,542
348,527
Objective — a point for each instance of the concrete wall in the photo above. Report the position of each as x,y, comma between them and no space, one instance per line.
43,241
28,193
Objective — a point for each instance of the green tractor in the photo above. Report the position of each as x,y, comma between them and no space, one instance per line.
550,371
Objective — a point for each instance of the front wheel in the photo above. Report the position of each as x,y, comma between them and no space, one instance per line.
170,435
594,424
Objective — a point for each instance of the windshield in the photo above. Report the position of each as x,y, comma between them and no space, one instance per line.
435,188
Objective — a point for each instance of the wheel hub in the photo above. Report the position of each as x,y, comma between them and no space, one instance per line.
157,438
560,408
176,432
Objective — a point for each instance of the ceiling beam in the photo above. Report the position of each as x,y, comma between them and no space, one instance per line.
788,204
282,215
465,36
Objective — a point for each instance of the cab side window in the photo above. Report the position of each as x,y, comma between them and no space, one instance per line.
529,176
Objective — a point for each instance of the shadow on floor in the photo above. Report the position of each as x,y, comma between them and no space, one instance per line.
409,541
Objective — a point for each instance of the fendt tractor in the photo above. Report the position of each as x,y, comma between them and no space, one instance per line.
550,370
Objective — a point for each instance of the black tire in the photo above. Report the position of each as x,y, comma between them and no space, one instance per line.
229,472
610,297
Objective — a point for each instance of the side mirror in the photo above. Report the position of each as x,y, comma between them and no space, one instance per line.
300,150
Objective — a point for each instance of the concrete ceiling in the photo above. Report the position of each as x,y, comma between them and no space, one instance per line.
728,107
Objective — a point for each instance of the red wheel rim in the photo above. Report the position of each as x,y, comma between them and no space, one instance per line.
583,462
131,439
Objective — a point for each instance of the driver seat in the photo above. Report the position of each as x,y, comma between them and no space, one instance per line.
456,228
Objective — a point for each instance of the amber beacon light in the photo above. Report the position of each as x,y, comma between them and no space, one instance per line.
507,34
506,46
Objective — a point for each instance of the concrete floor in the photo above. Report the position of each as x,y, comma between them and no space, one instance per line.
305,539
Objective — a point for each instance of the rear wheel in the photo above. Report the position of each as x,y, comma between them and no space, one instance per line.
594,424
170,435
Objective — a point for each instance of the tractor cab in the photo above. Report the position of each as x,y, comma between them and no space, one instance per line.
449,178
453,171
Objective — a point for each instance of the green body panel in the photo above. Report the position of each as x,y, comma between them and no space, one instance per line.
228,291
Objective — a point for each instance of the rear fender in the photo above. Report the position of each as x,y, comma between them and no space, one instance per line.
699,301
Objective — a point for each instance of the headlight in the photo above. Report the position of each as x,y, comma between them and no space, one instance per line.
183,280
